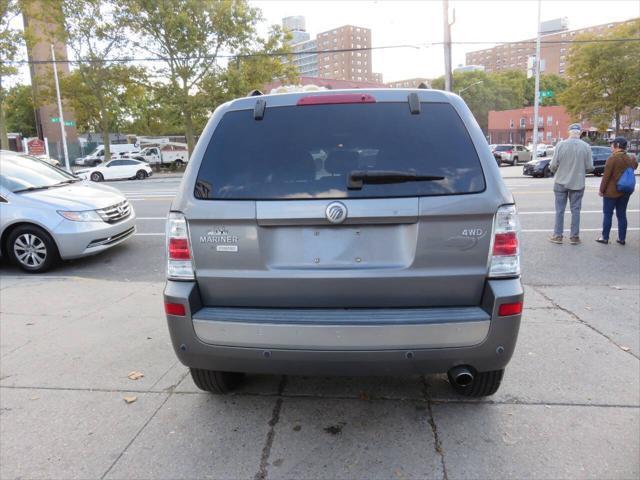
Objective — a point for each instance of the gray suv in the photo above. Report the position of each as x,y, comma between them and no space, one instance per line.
344,232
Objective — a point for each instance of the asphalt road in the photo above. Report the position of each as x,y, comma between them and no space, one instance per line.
569,406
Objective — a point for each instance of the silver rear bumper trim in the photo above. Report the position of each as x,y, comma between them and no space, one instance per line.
454,332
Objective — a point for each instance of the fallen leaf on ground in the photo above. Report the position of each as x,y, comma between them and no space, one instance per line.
626,349
616,287
130,399
588,308
363,396
135,375
35,397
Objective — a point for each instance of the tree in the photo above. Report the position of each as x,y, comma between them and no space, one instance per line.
96,37
20,115
10,42
188,35
251,70
604,77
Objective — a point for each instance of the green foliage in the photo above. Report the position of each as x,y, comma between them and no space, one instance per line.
188,36
500,91
20,114
604,77
10,43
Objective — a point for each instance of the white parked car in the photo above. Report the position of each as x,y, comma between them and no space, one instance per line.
544,150
117,170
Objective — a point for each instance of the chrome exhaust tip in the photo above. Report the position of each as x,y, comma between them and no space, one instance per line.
462,376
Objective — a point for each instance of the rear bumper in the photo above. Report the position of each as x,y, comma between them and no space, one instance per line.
406,343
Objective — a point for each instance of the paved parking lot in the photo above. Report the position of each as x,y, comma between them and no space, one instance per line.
569,406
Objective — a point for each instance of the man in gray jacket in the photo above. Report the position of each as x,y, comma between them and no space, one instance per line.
571,161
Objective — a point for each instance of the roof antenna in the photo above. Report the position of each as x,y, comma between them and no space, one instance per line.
423,85
254,93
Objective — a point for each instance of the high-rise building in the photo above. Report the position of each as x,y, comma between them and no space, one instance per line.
345,65
297,28
336,61
515,55
409,83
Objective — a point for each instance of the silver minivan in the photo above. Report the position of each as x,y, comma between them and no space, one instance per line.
47,214
344,232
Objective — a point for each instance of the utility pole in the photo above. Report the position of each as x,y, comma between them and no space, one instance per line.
61,116
448,78
536,102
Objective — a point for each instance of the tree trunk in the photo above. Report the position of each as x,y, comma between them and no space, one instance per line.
105,137
4,138
188,130
617,123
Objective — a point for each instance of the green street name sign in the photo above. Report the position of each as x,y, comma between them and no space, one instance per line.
55,119
546,93
69,123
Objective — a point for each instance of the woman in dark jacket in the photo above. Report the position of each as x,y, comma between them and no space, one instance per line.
612,199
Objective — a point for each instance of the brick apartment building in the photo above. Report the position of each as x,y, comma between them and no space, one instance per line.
515,55
516,126
351,66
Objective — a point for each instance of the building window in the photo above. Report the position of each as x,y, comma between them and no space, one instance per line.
511,124
549,137
523,122
549,120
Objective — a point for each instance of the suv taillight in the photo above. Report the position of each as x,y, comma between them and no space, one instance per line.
179,265
505,254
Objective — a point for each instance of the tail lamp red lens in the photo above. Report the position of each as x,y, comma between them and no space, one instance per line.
179,249
176,309
507,309
505,244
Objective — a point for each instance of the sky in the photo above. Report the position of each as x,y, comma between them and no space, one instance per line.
401,22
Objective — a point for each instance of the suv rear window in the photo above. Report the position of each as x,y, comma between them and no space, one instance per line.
504,148
308,152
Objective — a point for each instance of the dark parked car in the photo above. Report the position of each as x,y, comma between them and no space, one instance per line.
540,166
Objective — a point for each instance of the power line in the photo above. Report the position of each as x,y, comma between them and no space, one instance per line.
309,52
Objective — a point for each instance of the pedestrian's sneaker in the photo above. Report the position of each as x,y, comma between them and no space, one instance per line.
555,239
602,240
621,242
574,240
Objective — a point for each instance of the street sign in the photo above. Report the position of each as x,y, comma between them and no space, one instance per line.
546,93
36,146
69,123
55,119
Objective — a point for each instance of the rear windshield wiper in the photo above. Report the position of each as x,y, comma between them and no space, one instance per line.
358,178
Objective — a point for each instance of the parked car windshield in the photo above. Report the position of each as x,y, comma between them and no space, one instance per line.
21,172
309,152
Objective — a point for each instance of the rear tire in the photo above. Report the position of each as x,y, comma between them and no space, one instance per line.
97,177
32,249
214,381
546,173
179,163
141,175
514,162
483,385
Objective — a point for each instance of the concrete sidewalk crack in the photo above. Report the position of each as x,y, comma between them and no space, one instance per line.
262,472
584,322
434,429
135,436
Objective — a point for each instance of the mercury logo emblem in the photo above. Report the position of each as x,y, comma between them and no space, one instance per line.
336,212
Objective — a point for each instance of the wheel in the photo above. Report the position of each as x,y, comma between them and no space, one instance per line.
179,163
97,177
214,381
141,175
514,162
546,173
32,249
483,385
